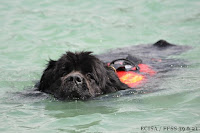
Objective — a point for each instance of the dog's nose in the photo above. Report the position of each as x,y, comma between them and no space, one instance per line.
75,78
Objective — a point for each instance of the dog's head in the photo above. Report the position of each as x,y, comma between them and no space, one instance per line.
79,76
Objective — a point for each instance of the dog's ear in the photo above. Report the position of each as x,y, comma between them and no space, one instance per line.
107,78
113,83
47,76
51,64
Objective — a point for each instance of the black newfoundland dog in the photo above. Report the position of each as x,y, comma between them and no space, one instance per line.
79,76
84,76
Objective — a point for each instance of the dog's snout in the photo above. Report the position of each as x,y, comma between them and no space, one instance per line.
75,78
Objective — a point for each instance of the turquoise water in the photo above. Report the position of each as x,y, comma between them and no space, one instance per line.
32,31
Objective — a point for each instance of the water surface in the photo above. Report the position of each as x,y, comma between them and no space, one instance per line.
32,31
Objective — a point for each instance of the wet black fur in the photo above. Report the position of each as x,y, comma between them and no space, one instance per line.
98,78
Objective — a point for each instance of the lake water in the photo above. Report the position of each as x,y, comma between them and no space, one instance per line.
32,31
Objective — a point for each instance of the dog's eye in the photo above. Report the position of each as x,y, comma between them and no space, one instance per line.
64,73
90,76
